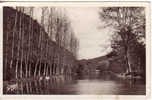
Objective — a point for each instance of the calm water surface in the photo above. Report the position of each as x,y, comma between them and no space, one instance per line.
102,84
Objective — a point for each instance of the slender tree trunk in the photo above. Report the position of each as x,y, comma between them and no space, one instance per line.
36,65
39,73
42,39
18,48
21,67
127,61
29,43
14,30
29,71
38,60
50,31
22,52
44,71
6,50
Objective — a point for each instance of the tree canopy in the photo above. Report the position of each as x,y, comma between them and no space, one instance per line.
129,34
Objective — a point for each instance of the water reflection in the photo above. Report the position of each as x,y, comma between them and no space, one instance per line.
54,85
96,87
103,84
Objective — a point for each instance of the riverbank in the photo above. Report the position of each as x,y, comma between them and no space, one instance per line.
104,84
13,85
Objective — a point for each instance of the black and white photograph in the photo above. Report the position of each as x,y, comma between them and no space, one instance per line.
74,50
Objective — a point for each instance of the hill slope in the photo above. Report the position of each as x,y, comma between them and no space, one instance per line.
103,63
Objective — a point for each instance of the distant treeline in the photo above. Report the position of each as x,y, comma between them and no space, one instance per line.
32,49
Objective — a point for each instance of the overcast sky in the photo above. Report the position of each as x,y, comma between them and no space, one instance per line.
94,42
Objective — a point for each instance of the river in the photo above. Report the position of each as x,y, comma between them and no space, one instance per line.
99,84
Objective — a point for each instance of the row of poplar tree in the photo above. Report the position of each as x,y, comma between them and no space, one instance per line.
44,46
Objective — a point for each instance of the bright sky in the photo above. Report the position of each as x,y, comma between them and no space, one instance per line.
94,42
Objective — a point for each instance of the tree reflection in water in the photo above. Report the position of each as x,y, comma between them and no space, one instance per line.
51,86
103,84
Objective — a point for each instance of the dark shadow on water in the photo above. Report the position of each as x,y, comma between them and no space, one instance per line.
97,83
